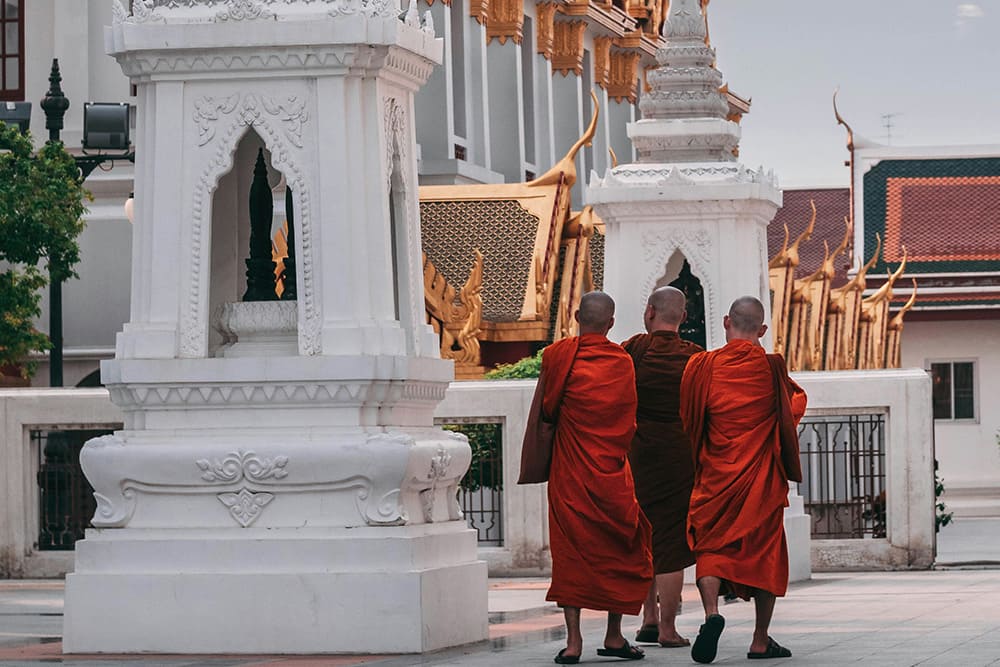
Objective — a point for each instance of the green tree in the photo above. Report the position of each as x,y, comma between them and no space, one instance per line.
41,216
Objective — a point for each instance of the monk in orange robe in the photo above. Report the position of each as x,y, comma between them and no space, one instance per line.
661,458
739,412
598,536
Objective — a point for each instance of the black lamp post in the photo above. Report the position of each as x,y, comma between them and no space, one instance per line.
55,104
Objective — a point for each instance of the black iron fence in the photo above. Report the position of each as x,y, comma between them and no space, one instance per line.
843,469
481,490
66,499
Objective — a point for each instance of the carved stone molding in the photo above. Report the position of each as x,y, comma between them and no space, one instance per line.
479,9
142,12
696,246
602,60
245,506
568,47
623,76
243,10
277,120
138,64
239,465
167,396
545,14
505,20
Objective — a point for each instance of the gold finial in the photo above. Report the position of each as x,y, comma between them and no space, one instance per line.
566,167
614,158
871,262
897,320
779,259
804,236
841,121
848,228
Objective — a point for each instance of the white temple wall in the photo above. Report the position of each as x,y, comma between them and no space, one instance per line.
968,451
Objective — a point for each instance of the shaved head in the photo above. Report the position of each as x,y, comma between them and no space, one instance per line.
668,307
596,313
746,315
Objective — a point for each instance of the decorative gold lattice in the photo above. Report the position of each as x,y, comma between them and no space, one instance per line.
505,233
597,260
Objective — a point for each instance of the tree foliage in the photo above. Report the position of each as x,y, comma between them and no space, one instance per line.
41,216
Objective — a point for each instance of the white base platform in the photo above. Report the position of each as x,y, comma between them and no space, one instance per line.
276,591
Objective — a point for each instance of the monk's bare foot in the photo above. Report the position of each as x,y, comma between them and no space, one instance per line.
673,640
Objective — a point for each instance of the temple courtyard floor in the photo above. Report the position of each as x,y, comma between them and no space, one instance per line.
946,616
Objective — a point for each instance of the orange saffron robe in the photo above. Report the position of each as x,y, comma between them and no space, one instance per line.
736,516
599,538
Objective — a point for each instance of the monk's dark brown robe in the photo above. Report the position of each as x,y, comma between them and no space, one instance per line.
661,451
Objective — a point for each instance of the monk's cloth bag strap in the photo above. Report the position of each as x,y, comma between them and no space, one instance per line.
787,431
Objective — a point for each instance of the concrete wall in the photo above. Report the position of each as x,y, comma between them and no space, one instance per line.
903,396
22,411
967,451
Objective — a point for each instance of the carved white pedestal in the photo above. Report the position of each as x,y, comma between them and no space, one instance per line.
403,589
279,485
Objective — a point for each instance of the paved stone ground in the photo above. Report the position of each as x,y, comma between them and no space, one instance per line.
944,617
949,616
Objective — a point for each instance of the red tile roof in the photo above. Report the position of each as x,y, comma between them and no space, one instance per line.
942,219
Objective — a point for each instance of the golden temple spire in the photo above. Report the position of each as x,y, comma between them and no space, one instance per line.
566,167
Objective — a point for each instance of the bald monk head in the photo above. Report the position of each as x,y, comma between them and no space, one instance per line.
665,310
745,320
596,313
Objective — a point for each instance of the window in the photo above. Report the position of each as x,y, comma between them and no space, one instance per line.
12,50
954,389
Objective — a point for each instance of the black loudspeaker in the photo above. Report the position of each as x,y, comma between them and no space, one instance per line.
105,126
16,113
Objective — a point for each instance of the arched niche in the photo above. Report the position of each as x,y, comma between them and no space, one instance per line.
677,273
230,229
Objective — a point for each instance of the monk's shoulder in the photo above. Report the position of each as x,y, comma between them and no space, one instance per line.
558,348
690,349
633,341
697,362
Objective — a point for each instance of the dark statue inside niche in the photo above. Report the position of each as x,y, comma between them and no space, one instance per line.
260,266
693,328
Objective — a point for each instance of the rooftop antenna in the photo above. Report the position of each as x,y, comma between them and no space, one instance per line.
888,124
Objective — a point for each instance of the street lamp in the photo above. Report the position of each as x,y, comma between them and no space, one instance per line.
16,113
103,128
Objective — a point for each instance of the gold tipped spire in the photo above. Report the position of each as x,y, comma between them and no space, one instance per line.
566,167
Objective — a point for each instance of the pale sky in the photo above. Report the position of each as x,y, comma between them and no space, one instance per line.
935,63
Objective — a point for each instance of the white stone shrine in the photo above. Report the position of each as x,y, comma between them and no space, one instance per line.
688,198
279,485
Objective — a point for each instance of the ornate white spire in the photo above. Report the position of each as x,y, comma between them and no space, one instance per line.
686,88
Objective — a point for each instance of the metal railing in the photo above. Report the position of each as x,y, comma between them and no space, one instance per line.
66,499
481,490
843,468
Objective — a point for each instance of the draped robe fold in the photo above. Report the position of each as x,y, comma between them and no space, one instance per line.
736,517
598,536
661,451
